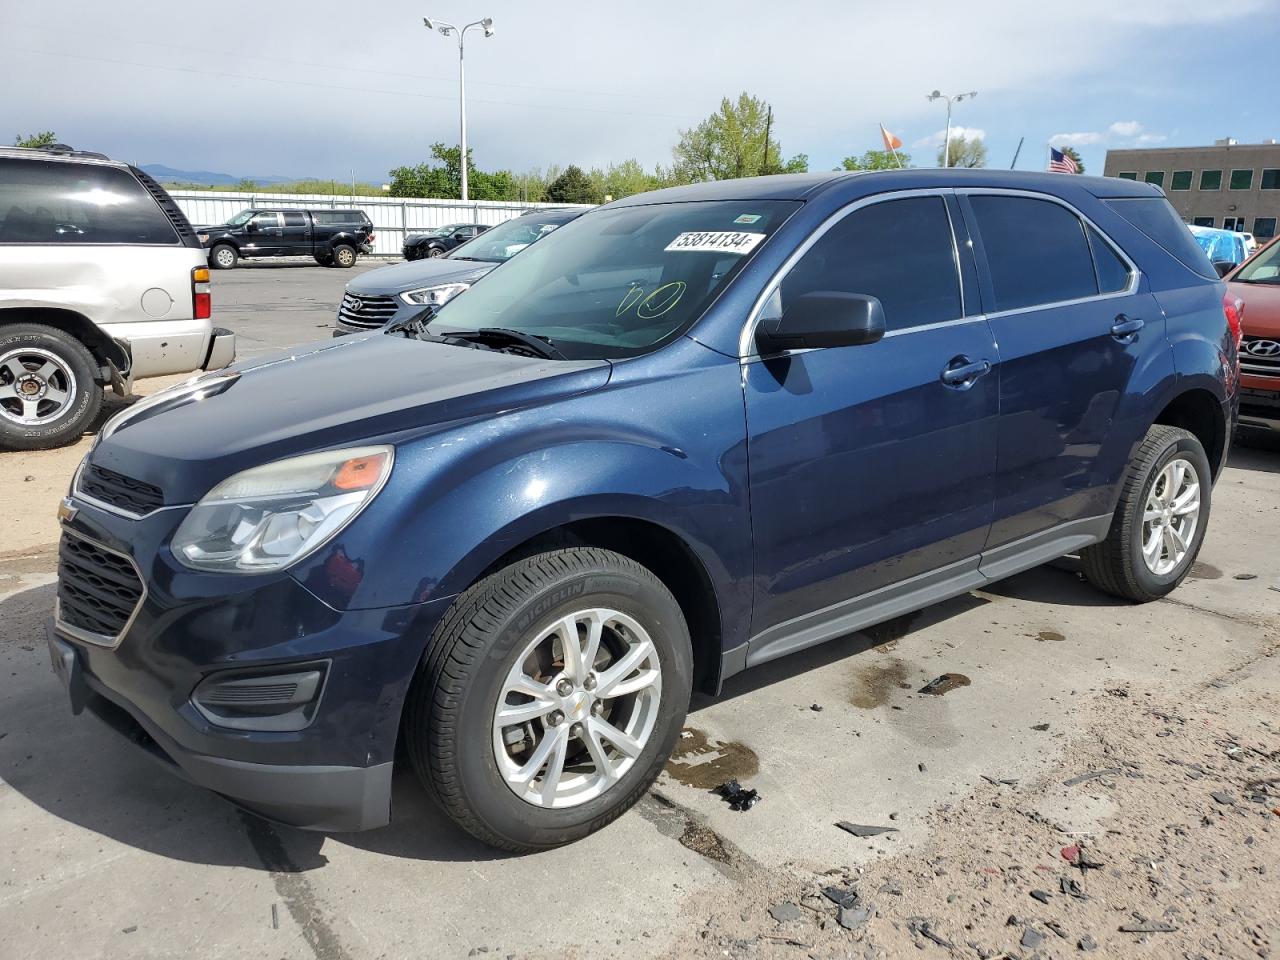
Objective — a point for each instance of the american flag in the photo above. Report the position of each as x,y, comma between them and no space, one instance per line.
1060,162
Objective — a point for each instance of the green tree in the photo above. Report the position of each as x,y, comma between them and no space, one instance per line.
443,178
876,160
45,138
736,141
966,152
246,186
572,186
1074,155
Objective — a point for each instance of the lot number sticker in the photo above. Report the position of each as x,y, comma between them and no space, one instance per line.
729,241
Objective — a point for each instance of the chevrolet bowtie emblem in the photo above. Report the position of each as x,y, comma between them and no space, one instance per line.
66,511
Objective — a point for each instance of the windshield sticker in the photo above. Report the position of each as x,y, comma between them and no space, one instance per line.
654,305
715,242
747,218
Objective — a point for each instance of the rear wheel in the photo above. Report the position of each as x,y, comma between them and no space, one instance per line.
324,259
48,391
344,255
550,697
223,256
1160,521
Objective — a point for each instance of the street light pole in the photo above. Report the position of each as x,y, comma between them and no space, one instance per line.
448,29
956,98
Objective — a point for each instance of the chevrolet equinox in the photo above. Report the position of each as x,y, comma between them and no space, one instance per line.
689,432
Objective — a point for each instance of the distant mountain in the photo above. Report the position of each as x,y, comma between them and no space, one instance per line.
205,177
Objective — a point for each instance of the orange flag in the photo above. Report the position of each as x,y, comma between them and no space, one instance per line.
890,141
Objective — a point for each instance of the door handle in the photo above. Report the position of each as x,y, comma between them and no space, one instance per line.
961,372
1125,329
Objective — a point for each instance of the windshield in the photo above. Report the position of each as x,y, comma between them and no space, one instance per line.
444,231
506,240
240,218
1264,268
618,283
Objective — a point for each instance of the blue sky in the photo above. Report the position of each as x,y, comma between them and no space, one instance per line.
321,88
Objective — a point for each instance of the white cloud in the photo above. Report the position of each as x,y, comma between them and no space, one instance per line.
1152,138
1083,139
1125,128
937,139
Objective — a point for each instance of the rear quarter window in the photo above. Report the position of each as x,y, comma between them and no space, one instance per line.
1157,219
57,202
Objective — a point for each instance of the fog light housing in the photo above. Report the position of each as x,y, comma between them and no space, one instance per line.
265,700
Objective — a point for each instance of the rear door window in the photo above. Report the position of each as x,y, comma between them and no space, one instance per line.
1037,251
294,218
899,251
1113,272
59,202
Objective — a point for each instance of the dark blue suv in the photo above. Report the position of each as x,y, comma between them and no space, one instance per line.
687,433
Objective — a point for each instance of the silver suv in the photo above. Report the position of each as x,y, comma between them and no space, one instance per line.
102,280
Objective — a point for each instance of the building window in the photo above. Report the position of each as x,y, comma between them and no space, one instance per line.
1210,179
1264,227
1155,176
1128,175
1181,180
1203,221
1241,179
1271,179
1233,223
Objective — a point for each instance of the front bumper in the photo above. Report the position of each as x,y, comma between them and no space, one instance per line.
335,772
1259,409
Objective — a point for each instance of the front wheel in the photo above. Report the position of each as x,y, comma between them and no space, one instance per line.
223,257
434,252
550,697
1160,521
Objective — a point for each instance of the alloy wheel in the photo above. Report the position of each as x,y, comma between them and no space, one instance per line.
577,708
1171,517
36,386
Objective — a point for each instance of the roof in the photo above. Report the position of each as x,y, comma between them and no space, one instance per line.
57,151
802,186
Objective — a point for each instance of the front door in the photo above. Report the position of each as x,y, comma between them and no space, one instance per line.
1071,327
264,234
871,465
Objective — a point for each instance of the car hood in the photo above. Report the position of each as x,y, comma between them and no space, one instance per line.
1261,307
399,277
344,392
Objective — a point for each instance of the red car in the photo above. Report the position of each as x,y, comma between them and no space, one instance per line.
1257,283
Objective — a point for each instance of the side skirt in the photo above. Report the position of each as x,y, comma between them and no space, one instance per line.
863,611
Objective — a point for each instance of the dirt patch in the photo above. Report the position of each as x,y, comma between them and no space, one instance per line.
1204,571
875,683
1051,635
705,764
945,684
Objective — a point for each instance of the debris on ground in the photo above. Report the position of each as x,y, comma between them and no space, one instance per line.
1093,775
1031,938
1040,727
1148,926
923,927
944,684
1246,576
1041,895
860,830
1000,781
785,912
815,707
738,796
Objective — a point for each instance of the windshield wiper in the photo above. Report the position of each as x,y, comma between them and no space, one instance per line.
493,336
413,326
475,259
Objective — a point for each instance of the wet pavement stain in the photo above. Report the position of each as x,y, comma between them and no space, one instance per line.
875,683
706,842
945,684
1204,571
705,764
1053,635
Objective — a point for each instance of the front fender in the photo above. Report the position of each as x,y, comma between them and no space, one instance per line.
670,450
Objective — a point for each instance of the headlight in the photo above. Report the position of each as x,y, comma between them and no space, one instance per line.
271,516
434,296
202,237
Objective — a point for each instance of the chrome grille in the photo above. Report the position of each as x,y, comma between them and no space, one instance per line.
1260,356
366,312
98,590
116,490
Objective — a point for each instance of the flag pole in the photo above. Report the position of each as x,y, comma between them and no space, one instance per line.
1016,152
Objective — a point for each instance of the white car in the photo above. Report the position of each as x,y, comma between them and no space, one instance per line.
1250,244
102,281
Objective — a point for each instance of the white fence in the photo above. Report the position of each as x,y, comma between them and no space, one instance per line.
392,217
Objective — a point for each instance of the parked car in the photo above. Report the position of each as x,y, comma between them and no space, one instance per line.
333,237
686,434
440,240
1256,285
1250,244
393,293
1225,248
101,281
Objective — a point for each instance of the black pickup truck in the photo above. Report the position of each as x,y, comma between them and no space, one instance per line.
334,237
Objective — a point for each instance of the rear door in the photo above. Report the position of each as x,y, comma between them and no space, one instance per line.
871,466
1063,304
296,234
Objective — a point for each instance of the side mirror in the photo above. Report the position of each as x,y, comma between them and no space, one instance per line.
1223,267
251,226
460,236
824,318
